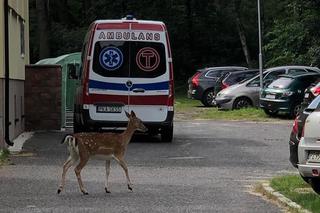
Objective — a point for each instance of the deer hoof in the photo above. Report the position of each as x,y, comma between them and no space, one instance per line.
129,187
107,191
85,193
59,191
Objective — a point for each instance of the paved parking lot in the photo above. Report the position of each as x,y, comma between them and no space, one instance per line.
209,167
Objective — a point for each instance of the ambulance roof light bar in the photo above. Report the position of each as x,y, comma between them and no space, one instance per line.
129,17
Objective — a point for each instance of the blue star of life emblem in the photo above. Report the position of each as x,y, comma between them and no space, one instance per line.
111,58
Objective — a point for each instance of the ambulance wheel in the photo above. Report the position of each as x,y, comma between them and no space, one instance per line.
77,127
167,134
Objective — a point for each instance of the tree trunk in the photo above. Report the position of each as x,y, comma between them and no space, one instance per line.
43,28
242,35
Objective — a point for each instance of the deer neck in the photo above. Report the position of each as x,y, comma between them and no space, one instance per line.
127,134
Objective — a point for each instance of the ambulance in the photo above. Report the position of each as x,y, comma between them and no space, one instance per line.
126,66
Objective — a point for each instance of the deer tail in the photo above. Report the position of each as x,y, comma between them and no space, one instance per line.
66,138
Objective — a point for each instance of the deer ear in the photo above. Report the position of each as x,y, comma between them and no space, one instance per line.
127,114
133,114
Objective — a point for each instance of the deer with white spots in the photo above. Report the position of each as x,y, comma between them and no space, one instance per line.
109,145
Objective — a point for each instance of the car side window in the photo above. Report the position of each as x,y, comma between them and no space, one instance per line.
254,83
213,74
296,71
273,75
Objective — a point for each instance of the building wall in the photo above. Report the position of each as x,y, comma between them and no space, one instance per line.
18,58
43,97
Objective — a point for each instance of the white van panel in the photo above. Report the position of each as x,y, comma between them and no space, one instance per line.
150,113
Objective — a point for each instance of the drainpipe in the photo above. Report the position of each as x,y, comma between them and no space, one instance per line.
6,67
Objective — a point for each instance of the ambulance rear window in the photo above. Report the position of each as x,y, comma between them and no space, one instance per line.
129,59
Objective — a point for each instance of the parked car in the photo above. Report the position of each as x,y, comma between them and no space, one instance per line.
309,151
286,93
245,94
231,78
201,84
311,93
296,131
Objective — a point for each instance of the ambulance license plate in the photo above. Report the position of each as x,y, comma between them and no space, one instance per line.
109,109
314,157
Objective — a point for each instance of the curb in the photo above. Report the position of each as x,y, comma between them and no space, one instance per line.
19,141
282,199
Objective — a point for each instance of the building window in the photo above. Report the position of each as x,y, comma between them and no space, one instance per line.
22,41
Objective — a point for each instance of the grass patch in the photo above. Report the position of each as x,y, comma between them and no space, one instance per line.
4,156
294,188
193,109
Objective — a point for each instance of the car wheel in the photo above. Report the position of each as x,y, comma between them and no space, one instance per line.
167,134
208,98
295,110
315,184
242,102
271,112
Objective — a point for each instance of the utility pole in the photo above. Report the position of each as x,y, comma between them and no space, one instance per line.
260,49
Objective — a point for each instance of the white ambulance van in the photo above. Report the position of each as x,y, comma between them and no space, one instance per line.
126,65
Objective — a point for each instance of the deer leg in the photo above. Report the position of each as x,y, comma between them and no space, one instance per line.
79,167
125,168
69,162
107,176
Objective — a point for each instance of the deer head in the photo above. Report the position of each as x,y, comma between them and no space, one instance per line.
135,122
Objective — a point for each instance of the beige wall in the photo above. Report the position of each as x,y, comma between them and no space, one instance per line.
17,61
18,14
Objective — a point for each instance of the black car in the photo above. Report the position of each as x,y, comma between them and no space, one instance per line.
286,94
297,128
201,84
230,78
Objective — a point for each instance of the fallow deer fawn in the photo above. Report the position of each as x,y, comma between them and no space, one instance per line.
111,145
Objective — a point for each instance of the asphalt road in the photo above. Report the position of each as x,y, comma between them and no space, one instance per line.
209,167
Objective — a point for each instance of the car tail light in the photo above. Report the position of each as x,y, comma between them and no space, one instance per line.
225,85
315,91
195,79
295,125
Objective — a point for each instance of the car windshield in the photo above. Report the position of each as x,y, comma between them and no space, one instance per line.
281,83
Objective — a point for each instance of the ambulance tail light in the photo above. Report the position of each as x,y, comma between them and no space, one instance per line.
171,93
85,94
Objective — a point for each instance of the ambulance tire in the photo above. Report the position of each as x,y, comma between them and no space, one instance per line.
77,127
167,134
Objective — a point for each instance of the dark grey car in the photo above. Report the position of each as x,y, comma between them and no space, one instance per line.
201,85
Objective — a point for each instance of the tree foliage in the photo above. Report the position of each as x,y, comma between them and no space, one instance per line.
202,33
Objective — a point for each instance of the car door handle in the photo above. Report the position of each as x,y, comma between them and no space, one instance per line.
138,90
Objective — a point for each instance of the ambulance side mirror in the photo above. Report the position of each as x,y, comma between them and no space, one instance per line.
72,71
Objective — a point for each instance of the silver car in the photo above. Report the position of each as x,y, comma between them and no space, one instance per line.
246,93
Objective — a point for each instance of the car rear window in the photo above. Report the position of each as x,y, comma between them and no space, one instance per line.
129,59
281,83
315,104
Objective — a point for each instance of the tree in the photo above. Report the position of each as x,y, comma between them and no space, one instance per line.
43,28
